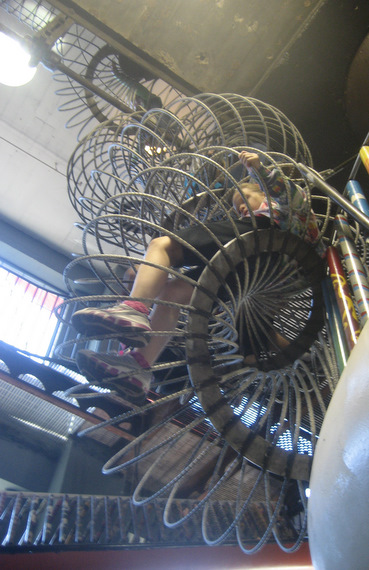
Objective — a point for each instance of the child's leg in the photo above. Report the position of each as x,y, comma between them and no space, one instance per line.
150,281
127,374
129,319
165,318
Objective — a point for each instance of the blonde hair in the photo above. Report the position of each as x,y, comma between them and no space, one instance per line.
251,186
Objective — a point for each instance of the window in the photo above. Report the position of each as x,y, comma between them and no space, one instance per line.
27,320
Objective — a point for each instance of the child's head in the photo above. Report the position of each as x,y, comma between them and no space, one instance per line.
254,195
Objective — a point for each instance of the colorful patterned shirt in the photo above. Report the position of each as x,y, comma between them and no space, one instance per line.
288,206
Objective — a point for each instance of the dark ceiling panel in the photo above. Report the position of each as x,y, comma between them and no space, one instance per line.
215,45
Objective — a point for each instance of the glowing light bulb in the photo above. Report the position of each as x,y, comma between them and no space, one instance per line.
14,63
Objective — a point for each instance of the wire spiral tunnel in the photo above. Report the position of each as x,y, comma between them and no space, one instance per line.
217,426
216,429
186,125
109,71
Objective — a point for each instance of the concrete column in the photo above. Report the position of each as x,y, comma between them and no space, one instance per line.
339,500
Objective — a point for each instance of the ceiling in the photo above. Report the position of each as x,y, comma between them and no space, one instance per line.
295,55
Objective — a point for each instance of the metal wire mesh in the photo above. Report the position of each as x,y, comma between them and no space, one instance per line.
141,140
103,67
38,521
179,454
172,163
159,172
33,13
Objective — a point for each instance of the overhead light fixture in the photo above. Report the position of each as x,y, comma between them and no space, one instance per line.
14,62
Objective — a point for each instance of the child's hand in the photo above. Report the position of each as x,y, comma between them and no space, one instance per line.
249,159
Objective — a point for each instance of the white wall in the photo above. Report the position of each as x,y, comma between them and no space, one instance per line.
35,148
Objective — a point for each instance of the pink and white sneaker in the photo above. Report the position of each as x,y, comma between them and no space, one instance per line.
121,374
127,324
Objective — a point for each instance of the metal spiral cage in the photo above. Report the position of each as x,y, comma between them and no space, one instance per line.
32,13
217,428
142,140
214,426
103,71
109,71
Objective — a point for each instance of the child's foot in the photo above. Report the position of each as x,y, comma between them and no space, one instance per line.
122,374
131,326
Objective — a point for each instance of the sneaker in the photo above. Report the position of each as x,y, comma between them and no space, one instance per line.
122,374
129,325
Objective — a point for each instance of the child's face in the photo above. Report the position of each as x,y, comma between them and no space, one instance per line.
254,197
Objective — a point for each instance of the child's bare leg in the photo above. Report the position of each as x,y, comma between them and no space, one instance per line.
149,280
165,318
128,321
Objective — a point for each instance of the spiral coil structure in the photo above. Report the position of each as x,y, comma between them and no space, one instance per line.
32,13
108,70
142,140
216,426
